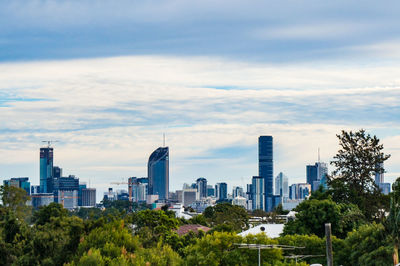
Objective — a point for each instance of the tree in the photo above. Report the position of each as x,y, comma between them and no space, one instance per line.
219,249
311,245
14,199
392,223
228,216
360,157
44,214
368,245
313,214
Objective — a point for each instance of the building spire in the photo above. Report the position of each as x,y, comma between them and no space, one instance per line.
163,139
319,157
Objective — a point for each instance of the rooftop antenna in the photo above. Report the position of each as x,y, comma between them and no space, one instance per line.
163,139
49,142
319,158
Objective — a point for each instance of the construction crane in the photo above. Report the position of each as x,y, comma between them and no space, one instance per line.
49,142
129,183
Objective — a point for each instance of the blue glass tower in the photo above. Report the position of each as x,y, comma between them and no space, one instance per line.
46,170
266,169
158,173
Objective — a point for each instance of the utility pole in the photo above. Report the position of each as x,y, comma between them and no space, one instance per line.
329,255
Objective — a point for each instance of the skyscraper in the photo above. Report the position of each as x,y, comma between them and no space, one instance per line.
257,193
158,173
282,185
46,170
315,174
221,190
266,169
201,184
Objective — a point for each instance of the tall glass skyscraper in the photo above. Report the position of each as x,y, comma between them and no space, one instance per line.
201,187
257,193
316,173
266,169
46,170
158,173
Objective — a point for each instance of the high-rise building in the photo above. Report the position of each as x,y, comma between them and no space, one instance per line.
266,169
210,191
282,185
221,191
380,180
19,182
139,188
57,172
66,191
188,196
249,191
257,193
316,174
299,191
89,197
201,184
237,192
46,170
158,173
81,187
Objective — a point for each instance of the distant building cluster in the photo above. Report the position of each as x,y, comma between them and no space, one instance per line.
265,192
54,187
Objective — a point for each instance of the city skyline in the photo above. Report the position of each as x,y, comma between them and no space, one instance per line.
212,77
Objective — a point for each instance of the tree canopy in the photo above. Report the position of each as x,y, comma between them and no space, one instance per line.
359,158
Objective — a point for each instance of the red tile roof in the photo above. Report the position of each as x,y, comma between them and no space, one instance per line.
184,229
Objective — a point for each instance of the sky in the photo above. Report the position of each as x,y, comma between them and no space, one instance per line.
108,78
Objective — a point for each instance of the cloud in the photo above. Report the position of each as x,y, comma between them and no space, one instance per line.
109,115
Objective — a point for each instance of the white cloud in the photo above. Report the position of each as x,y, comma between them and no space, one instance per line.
109,114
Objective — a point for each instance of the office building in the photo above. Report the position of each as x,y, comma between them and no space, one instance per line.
81,187
380,180
221,190
210,191
299,191
249,191
19,182
46,170
89,197
266,169
66,191
188,196
201,185
158,173
316,175
42,199
138,190
258,195
240,201
282,185
57,172
237,192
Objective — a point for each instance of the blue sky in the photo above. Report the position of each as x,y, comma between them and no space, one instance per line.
108,79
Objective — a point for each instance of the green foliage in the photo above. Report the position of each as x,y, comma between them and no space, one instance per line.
259,213
228,216
313,214
198,219
219,249
45,213
54,242
359,158
280,211
312,245
14,200
366,246
392,223
151,225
